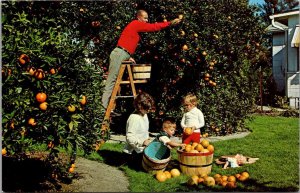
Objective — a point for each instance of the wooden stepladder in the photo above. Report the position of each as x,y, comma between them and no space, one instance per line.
137,73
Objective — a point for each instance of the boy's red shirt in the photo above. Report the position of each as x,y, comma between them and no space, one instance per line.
130,36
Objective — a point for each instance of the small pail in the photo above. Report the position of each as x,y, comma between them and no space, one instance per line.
156,157
141,71
195,163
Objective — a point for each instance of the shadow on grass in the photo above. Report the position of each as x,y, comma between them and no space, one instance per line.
118,159
28,175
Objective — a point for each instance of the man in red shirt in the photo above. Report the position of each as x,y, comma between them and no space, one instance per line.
126,47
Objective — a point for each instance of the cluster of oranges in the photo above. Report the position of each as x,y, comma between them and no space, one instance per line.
41,98
162,176
203,147
218,179
230,181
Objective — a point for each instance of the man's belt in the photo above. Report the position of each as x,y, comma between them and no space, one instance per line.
123,49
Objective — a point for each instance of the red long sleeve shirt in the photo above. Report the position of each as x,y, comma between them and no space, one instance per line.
130,36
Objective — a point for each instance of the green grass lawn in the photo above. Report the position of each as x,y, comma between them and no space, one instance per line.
275,140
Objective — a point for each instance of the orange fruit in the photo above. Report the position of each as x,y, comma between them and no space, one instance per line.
32,71
188,148
41,97
231,179
224,183
175,172
39,74
210,148
230,185
193,180
52,71
73,165
217,176
237,176
209,181
194,144
32,122
71,170
224,178
23,59
199,147
43,106
161,176
200,180
50,144
246,174
242,178
71,108
188,131
168,174
205,143
185,47
83,100
4,151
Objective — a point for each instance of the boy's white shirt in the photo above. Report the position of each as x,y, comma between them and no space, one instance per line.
164,139
137,131
193,118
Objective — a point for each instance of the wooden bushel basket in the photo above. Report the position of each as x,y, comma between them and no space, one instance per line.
156,157
195,163
141,71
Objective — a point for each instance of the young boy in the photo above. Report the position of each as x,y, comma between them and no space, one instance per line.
192,118
168,130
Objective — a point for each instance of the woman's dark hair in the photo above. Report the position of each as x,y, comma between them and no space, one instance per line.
143,101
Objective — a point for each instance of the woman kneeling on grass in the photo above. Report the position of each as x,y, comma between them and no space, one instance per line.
137,126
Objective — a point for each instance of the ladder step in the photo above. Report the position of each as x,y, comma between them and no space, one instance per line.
135,81
124,97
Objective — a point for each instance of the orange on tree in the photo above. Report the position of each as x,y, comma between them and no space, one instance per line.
39,74
4,151
73,165
41,97
32,122
23,59
83,100
71,169
185,47
71,108
52,71
31,71
43,106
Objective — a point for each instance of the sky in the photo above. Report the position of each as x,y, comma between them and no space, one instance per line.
256,1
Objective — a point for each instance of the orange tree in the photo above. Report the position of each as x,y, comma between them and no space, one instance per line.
51,87
215,53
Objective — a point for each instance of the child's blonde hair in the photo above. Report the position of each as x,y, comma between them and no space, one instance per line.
190,99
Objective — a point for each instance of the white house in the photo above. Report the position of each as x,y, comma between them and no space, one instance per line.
285,54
